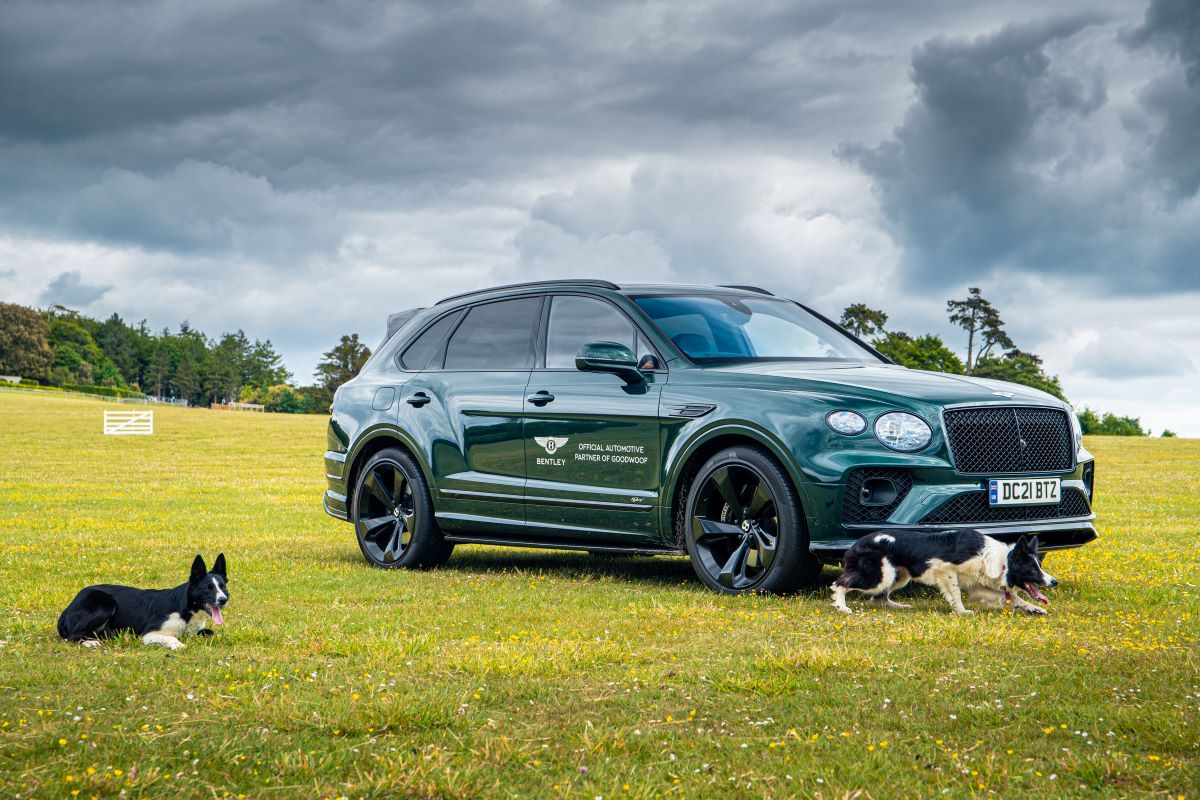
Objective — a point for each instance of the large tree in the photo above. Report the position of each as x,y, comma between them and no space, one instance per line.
24,343
1019,367
120,344
158,373
980,319
226,365
341,363
77,357
924,352
264,367
863,321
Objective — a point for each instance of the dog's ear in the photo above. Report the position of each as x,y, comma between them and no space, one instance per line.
1022,543
198,570
1032,544
219,566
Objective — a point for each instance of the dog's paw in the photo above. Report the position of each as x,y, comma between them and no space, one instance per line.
844,609
90,643
1035,610
963,611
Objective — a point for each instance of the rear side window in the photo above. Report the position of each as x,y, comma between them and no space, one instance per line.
576,321
495,336
416,356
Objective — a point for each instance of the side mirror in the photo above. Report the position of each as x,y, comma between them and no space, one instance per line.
609,357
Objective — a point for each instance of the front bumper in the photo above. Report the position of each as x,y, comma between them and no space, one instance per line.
835,522
1052,535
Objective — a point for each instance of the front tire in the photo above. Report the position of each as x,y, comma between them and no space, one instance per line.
392,514
743,526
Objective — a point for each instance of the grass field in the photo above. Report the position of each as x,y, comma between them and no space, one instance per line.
531,674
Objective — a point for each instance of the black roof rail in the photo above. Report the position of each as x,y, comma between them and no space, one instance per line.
600,284
757,289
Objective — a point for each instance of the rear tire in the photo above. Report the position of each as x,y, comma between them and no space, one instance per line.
392,512
743,526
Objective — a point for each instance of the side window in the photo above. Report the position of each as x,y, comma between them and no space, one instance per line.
575,321
495,336
416,356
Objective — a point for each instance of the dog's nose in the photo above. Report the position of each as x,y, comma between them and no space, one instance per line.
1053,581
222,600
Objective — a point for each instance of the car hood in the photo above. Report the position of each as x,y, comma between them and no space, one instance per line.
900,382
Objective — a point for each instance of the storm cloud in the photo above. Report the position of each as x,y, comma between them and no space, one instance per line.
301,170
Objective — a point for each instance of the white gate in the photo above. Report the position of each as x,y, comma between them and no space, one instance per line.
123,423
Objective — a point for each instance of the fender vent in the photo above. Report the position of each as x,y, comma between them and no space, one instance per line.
689,410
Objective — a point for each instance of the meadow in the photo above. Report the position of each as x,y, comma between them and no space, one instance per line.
517,673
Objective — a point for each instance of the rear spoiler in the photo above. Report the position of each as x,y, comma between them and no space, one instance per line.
396,321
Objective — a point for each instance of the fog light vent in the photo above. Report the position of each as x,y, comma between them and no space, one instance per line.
872,494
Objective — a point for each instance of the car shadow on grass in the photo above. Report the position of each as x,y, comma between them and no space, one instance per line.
674,571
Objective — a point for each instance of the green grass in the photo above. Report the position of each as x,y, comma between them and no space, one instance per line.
524,673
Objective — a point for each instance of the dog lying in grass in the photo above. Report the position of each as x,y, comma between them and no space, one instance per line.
159,616
990,570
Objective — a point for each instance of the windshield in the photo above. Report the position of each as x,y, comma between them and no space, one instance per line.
710,328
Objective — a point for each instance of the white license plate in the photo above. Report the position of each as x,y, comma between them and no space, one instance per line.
1024,491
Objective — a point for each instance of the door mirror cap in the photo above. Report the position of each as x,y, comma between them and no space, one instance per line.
609,357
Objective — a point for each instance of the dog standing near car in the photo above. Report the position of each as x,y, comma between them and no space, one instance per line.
991,571
158,616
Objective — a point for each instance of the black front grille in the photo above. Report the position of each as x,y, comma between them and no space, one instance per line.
1008,439
972,507
854,512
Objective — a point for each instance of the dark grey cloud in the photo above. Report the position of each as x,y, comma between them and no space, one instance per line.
1003,164
69,289
1173,26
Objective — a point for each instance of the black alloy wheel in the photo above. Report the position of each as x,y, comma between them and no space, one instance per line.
744,526
393,514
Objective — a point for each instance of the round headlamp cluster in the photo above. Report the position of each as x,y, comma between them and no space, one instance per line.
898,430
902,431
848,423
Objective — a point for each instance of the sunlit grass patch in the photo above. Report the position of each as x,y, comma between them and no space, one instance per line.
532,674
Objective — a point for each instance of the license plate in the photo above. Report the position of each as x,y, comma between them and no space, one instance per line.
1024,491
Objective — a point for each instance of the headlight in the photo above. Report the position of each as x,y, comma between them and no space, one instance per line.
1076,430
848,423
902,431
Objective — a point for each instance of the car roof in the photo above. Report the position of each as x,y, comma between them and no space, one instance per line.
635,289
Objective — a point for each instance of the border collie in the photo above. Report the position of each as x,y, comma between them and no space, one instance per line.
990,570
159,616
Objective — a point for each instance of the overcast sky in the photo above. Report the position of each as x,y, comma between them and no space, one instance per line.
302,170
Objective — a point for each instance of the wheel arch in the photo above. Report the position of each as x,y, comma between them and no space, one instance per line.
700,448
373,442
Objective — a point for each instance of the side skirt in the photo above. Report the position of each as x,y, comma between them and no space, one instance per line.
552,544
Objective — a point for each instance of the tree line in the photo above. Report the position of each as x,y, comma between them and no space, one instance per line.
59,347
63,348
991,353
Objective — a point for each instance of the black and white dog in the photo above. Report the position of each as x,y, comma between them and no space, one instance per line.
159,616
990,570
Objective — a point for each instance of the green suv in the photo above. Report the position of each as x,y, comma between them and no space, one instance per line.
741,429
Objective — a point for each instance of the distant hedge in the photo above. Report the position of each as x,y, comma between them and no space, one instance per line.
103,391
32,385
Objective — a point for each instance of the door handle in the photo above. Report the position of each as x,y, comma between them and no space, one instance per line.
417,400
541,398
